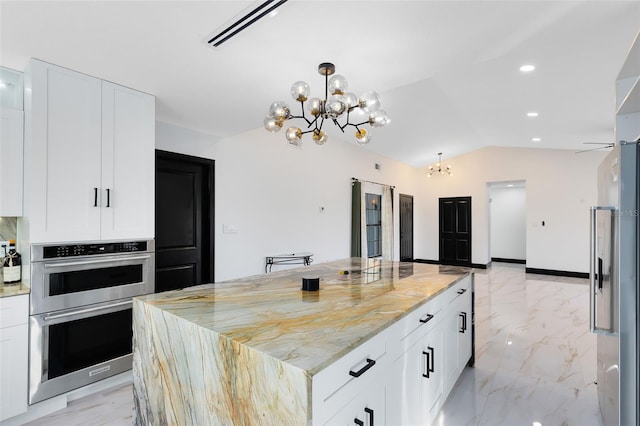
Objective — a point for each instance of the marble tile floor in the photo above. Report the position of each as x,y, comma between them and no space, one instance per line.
535,360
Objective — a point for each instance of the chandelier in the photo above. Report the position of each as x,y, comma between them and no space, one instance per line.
337,104
438,168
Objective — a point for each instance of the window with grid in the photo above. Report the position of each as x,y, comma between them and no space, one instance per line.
374,225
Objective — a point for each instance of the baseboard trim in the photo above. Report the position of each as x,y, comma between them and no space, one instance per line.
435,262
557,273
505,260
430,262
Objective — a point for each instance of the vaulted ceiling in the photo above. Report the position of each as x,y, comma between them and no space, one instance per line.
447,71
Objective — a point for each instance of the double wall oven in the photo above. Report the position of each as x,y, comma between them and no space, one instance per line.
80,313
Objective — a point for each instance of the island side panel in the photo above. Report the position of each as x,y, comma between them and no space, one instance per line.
188,375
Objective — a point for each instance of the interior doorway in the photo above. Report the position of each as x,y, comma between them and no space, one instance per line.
406,228
507,221
184,220
455,231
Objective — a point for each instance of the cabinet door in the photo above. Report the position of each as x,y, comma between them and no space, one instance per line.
11,148
128,155
64,116
434,360
13,370
464,331
451,325
366,409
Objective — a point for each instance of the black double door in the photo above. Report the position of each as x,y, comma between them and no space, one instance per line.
455,231
184,220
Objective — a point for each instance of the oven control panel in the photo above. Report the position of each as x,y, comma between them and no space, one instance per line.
74,250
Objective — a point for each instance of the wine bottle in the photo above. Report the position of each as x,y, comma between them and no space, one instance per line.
12,266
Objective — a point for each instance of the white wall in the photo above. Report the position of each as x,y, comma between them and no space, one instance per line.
508,221
273,193
561,185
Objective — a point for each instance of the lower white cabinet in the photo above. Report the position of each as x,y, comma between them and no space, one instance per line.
14,344
457,333
403,375
423,375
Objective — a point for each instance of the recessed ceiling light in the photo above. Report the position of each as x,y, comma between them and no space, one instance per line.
273,13
527,68
3,84
536,139
509,186
532,114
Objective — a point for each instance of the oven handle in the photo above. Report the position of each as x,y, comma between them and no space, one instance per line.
93,261
87,310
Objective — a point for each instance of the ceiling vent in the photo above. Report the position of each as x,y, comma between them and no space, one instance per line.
264,8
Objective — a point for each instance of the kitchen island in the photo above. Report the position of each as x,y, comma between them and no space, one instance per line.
259,350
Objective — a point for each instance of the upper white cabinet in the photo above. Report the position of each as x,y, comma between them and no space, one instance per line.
89,157
11,147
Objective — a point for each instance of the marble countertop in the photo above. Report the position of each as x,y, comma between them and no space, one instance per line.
310,330
7,290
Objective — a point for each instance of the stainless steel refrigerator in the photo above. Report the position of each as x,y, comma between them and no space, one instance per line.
615,251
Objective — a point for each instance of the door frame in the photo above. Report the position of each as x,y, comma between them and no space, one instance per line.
208,206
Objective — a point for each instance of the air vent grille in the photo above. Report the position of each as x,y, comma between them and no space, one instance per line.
245,21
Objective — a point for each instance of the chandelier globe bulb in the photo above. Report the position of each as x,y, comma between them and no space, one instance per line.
271,124
300,91
279,110
338,85
370,102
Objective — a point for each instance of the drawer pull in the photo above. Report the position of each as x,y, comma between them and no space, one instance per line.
370,363
358,422
462,291
95,197
425,320
369,411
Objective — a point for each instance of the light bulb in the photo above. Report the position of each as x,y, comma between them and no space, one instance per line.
319,137
370,102
300,91
336,105
313,106
378,118
363,137
294,135
279,110
350,99
337,84
272,125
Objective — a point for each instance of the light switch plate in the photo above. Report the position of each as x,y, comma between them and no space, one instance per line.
229,229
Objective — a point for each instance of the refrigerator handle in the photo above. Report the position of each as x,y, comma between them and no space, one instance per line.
595,262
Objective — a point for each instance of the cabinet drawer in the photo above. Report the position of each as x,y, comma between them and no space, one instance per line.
458,289
14,310
349,376
414,326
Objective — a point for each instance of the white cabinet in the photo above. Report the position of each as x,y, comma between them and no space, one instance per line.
11,148
89,151
403,375
457,332
14,341
352,384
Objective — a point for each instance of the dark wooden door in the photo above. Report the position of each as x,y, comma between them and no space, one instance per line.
455,231
406,228
184,220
